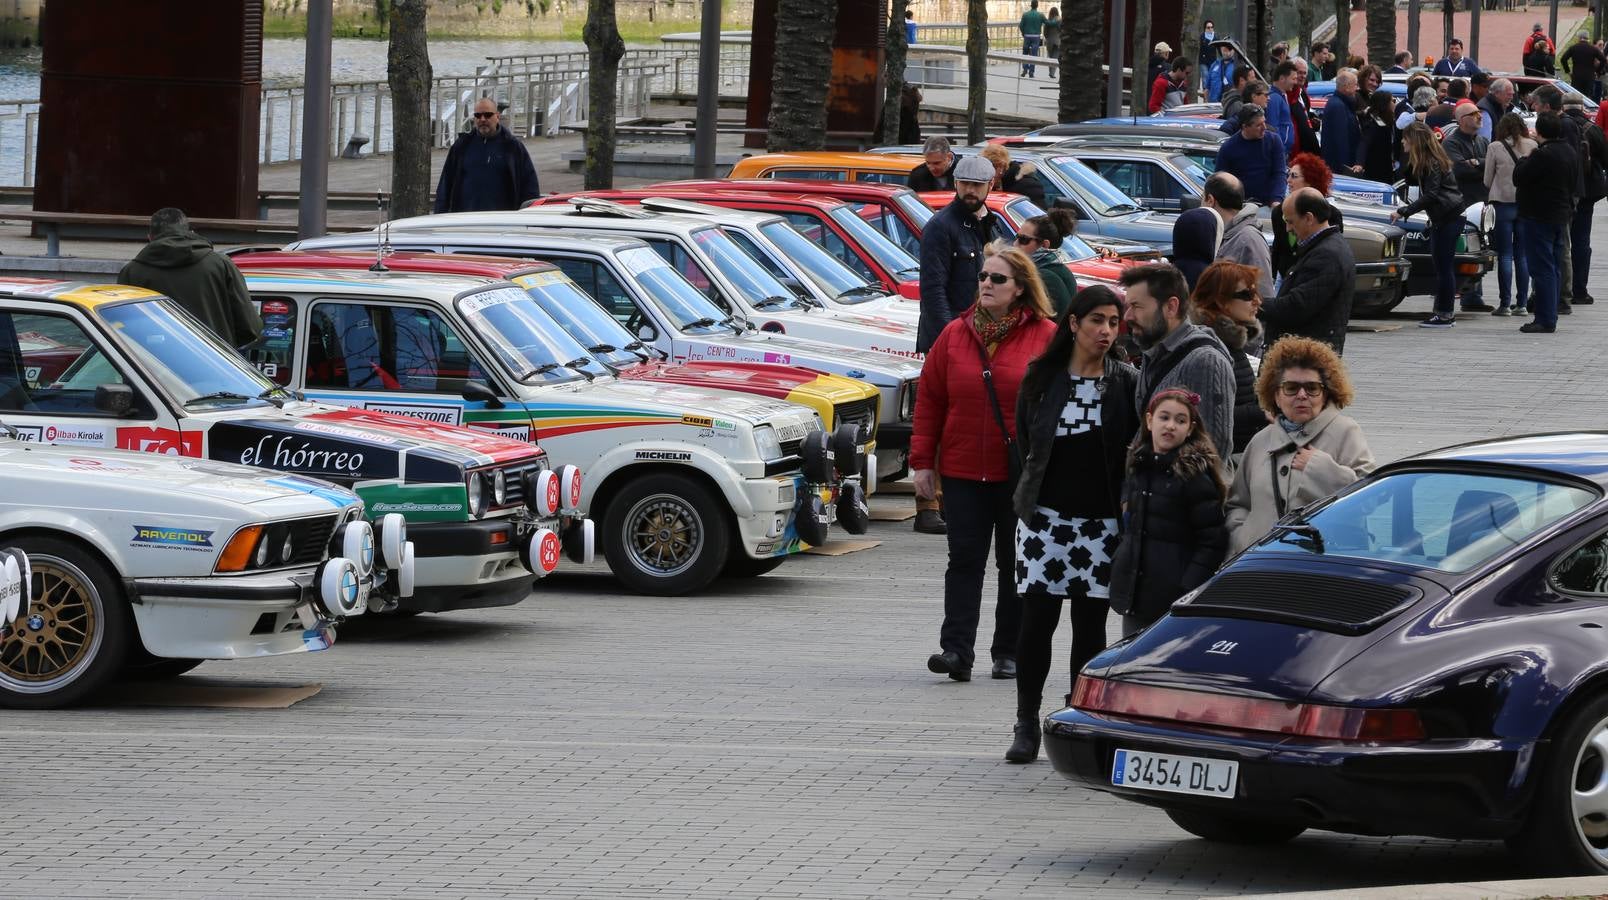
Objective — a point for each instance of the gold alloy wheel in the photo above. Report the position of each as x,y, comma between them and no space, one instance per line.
665,534
52,642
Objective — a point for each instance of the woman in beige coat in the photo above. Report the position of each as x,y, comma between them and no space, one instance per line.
1310,450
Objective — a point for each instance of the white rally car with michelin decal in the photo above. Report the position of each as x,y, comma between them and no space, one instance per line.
687,482
140,565
113,366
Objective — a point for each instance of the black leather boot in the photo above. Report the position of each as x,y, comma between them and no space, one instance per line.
1026,746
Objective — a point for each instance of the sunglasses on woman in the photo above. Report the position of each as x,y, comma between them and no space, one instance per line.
992,276
1245,294
1310,388
1025,239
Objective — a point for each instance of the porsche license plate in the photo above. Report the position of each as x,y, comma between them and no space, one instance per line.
1175,774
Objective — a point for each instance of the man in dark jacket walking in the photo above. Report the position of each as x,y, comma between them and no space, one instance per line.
1544,185
487,168
951,258
1342,133
182,264
1584,62
937,170
1314,299
1593,151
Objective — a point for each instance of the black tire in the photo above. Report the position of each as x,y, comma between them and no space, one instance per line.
1230,829
1554,841
78,617
685,552
742,566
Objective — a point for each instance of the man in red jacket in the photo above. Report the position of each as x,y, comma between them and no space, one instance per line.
1169,88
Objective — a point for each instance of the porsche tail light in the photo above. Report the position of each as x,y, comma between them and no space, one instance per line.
1342,723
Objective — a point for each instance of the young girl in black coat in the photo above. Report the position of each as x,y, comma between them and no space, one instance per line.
1174,535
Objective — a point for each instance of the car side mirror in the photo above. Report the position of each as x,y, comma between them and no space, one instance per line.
646,333
1185,204
116,399
479,390
1066,203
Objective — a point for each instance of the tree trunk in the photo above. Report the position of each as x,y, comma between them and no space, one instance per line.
1189,41
802,75
407,71
894,65
1342,31
604,48
1265,38
976,70
1305,23
1139,104
1381,25
1083,51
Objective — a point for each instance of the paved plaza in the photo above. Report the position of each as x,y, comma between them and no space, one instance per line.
772,738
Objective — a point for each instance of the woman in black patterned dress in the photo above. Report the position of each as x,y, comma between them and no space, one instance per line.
1075,415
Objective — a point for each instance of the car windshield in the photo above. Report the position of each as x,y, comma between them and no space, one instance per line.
1451,521
744,272
195,366
1093,190
1195,172
584,320
890,256
833,277
524,337
689,308
1206,159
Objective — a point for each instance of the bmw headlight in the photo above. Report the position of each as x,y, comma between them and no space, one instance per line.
287,548
767,443
1487,218
477,494
499,488
261,558
907,401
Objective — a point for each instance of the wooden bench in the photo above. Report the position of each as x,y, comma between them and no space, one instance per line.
349,201
104,226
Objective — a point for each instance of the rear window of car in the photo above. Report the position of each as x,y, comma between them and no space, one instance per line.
1451,521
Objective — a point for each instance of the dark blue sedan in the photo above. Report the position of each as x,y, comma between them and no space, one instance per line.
1424,653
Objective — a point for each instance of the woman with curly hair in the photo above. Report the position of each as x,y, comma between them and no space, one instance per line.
1226,300
1173,536
1310,451
1306,170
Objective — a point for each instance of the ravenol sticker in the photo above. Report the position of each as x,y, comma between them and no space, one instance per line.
163,536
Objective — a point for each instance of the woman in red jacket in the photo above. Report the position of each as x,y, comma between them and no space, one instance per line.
958,430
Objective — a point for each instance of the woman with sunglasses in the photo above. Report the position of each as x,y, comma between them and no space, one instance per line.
1040,237
965,434
1225,300
1309,451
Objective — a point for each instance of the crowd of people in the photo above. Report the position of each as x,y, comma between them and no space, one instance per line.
1101,486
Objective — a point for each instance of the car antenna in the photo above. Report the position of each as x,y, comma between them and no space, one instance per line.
382,244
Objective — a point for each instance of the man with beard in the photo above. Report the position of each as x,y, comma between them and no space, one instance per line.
951,258
487,168
1178,353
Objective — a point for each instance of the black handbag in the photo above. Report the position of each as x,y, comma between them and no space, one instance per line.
1013,455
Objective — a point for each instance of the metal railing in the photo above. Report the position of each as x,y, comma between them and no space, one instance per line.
19,132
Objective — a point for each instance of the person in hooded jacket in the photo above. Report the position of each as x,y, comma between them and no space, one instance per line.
1075,415
1226,300
1196,235
1014,177
1173,532
182,265
1041,237
1243,240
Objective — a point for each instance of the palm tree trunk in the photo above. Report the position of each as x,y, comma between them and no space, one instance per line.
604,48
1305,23
1342,31
894,65
976,70
1139,105
1381,26
407,71
1083,51
1265,38
803,72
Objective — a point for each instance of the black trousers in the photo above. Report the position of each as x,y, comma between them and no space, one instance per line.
975,512
1040,614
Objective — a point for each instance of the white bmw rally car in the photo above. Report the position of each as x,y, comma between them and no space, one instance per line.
145,565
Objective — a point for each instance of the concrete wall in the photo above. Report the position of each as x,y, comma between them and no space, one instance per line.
19,22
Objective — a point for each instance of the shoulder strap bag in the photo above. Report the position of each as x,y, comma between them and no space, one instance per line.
1013,456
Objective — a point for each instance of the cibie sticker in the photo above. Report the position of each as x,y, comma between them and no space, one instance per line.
172,537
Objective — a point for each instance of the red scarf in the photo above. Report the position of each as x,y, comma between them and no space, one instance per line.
993,331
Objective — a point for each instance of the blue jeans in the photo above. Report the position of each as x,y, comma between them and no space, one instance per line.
1543,244
1443,253
1512,267
1030,47
1580,246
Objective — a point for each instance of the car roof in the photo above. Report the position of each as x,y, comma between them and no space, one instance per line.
599,215
829,159
792,186
79,293
361,281
405,261
780,194
995,200
1581,454
540,239
1142,152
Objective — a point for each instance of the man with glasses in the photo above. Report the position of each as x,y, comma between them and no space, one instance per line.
487,168
1467,150
1314,299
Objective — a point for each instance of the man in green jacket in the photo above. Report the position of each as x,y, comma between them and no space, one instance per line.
182,264
1032,28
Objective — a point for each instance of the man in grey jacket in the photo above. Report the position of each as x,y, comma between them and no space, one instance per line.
1243,239
1179,353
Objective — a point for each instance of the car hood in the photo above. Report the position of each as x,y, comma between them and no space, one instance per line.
776,382
664,402
795,351
108,475
1248,631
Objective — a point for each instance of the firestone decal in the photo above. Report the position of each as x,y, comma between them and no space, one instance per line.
160,440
